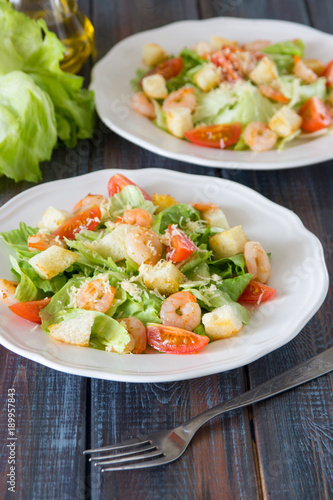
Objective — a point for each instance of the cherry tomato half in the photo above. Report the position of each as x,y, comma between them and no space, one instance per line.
271,93
168,69
181,246
215,136
172,340
256,292
315,115
328,73
89,219
29,310
118,182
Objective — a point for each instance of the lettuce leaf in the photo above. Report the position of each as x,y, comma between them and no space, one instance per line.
26,290
18,240
289,47
229,266
28,131
234,287
176,214
129,197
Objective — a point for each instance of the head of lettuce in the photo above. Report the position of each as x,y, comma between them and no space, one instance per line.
40,105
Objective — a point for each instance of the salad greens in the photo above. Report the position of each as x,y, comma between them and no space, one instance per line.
93,294
40,105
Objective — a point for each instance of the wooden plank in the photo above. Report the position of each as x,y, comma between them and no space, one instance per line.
50,420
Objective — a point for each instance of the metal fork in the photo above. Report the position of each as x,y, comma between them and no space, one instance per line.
163,447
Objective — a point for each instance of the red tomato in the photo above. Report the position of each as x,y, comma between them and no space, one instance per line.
29,310
168,69
215,136
118,182
328,73
256,292
181,247
205,207
172,340
272,93
89,219
315,115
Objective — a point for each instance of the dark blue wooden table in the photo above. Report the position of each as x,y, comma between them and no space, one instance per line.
278,449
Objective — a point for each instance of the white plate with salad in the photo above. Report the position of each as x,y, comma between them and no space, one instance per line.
206,85
176,257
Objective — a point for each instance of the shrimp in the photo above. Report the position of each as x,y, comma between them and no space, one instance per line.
302,71
143,246
181,98
7,291
259,137
137,330
256,45
205,207
95,295
88,201
257,261
136,217
181,310
41,241
142,105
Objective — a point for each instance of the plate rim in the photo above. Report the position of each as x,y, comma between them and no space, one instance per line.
63,366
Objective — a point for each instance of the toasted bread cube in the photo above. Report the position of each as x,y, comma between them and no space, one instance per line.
216,218
153,54
316,65
207,78
52,261
7,291
163,276
163,201
218,42
75,331
154,86
53,218
202,48
285,122
265,71
228,243
113,244
179,121
221,323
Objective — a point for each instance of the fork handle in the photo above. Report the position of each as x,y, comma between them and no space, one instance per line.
309,370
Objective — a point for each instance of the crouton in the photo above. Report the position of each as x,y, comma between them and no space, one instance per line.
218,42
53,218
316,65
75,331
207,78
285,122
154,86
163,201
228,243
179,121
113,244
265,71
215,218
163,276
221,323
153,54
52,261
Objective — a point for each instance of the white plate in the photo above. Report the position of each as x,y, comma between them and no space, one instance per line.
299,275
111,83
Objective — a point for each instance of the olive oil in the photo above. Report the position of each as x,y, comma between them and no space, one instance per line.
71,26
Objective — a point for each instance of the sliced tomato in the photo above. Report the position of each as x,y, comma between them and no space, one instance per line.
89,219
272,93
172,340
328,73
315,115
215,136
181,247
168,69
119,181
205,207
29,310
256,292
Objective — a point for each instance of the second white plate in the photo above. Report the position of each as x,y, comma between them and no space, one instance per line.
111,83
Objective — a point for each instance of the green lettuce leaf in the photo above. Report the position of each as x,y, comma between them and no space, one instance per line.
234,287
176,214
289,47
129,197
229,266
28,131
18,240
298,92
26,290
